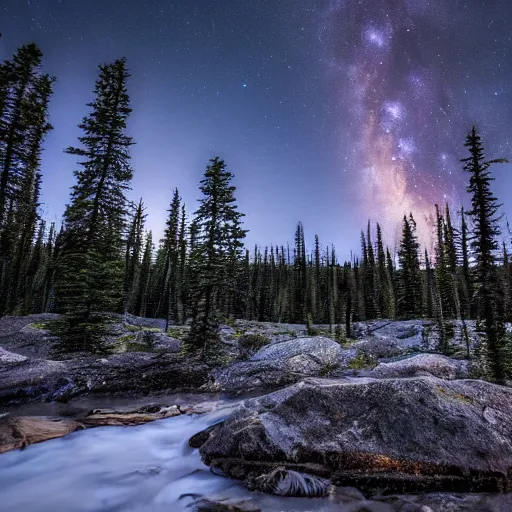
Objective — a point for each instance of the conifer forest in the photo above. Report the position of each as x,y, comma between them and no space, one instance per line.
103,259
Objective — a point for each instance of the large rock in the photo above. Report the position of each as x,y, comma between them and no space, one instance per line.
379,347
279,365
422,364
322,349
128,374
390,435
263,375
23,335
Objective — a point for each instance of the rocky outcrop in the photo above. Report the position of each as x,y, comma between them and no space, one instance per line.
389,435
322,349
379,347
122,374
279,365
423,364
18,432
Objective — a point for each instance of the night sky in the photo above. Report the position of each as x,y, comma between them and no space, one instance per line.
327,111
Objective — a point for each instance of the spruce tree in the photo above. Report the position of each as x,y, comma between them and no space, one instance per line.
170,246
484,243
181,279
90,275
133,257
24,99
385,290
466,284
216,254
409,292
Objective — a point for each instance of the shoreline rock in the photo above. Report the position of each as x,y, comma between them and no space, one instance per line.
386,436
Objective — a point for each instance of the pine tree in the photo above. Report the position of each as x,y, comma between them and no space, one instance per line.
24,99
466,285
181,279
385,289
300,268
216,254
143,291
445,268
409,293
484,242
170,253
90,276
133,256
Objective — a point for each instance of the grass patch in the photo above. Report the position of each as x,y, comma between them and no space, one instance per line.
138,328
42,326
178,333
133,346
253,342
285,333
362,361
126,338
328,369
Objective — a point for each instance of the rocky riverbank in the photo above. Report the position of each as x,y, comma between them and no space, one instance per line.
382,413
139,359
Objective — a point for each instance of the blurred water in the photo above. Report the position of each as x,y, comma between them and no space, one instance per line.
125,469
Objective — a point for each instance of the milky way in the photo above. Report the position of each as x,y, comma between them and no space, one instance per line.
405,127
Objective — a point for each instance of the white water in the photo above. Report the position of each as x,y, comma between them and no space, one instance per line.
126,469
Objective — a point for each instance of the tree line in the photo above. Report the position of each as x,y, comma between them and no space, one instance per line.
102,258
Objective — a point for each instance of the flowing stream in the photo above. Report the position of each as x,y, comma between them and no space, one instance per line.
127,469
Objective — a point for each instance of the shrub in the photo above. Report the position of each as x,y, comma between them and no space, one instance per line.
363,360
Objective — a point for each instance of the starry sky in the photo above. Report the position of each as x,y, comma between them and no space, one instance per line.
331,112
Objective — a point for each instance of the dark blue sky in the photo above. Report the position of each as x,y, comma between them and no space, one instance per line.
329,111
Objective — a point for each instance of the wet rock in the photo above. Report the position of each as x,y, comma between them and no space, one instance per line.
100,418
286,482
18,432
200,408
224,505
447,502
350,493
389,435
197,440
29,380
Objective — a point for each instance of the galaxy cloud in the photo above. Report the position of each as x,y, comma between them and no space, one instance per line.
391,68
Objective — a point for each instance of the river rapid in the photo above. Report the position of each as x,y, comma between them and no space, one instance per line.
149,468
